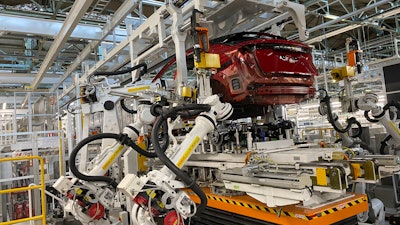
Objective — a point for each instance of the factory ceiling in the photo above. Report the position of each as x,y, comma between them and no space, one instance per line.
28,29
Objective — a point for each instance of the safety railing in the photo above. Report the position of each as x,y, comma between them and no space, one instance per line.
42,187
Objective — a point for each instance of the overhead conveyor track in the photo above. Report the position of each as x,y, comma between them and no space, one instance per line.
153,40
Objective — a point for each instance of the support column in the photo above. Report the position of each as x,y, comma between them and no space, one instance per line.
179,41
36,174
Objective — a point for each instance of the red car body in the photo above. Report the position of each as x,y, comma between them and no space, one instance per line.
259,69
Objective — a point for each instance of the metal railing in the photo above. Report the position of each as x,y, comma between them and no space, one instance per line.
42,187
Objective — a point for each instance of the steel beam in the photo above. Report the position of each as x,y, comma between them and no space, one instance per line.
382,2
11,111
151,22
332,33
381,16
119,15
10,99
50,28
153,3
26,78
149,30
79,8
341,18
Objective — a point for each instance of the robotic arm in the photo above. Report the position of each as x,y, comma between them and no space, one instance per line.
368,103
158,194
90,197
325,109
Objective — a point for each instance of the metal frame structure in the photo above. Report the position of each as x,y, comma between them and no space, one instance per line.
164,33
347,17
153,40
42,187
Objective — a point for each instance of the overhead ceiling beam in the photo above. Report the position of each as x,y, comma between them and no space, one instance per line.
384,15
10,99
332,33
126,7
7,89
50,28
324,25
341,18
76,13
26,78
78,9
311,2
11,112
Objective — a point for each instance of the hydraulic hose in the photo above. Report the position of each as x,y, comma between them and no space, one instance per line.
189,114
123,138
191,110
178,109
123,106
369,118
359,130
74,153
182,175
387,107
384,144
350,121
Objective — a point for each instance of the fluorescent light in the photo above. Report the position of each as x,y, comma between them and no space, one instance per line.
332,33
4,105
330,16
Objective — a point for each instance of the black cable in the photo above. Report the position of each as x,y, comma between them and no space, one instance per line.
138,149
165,137
176,110
68,105
74,153
69,102
359,130
183,110
189,114
369,118
161,155
182,175
386,107
332,120
142,72
338,140
122,138
384,144
123,106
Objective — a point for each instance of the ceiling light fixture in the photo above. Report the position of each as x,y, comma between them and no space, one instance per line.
330,16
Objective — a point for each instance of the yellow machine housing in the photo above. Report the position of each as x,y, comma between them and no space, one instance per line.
208,61
340,73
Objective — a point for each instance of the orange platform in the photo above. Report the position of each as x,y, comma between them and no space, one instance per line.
336,211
